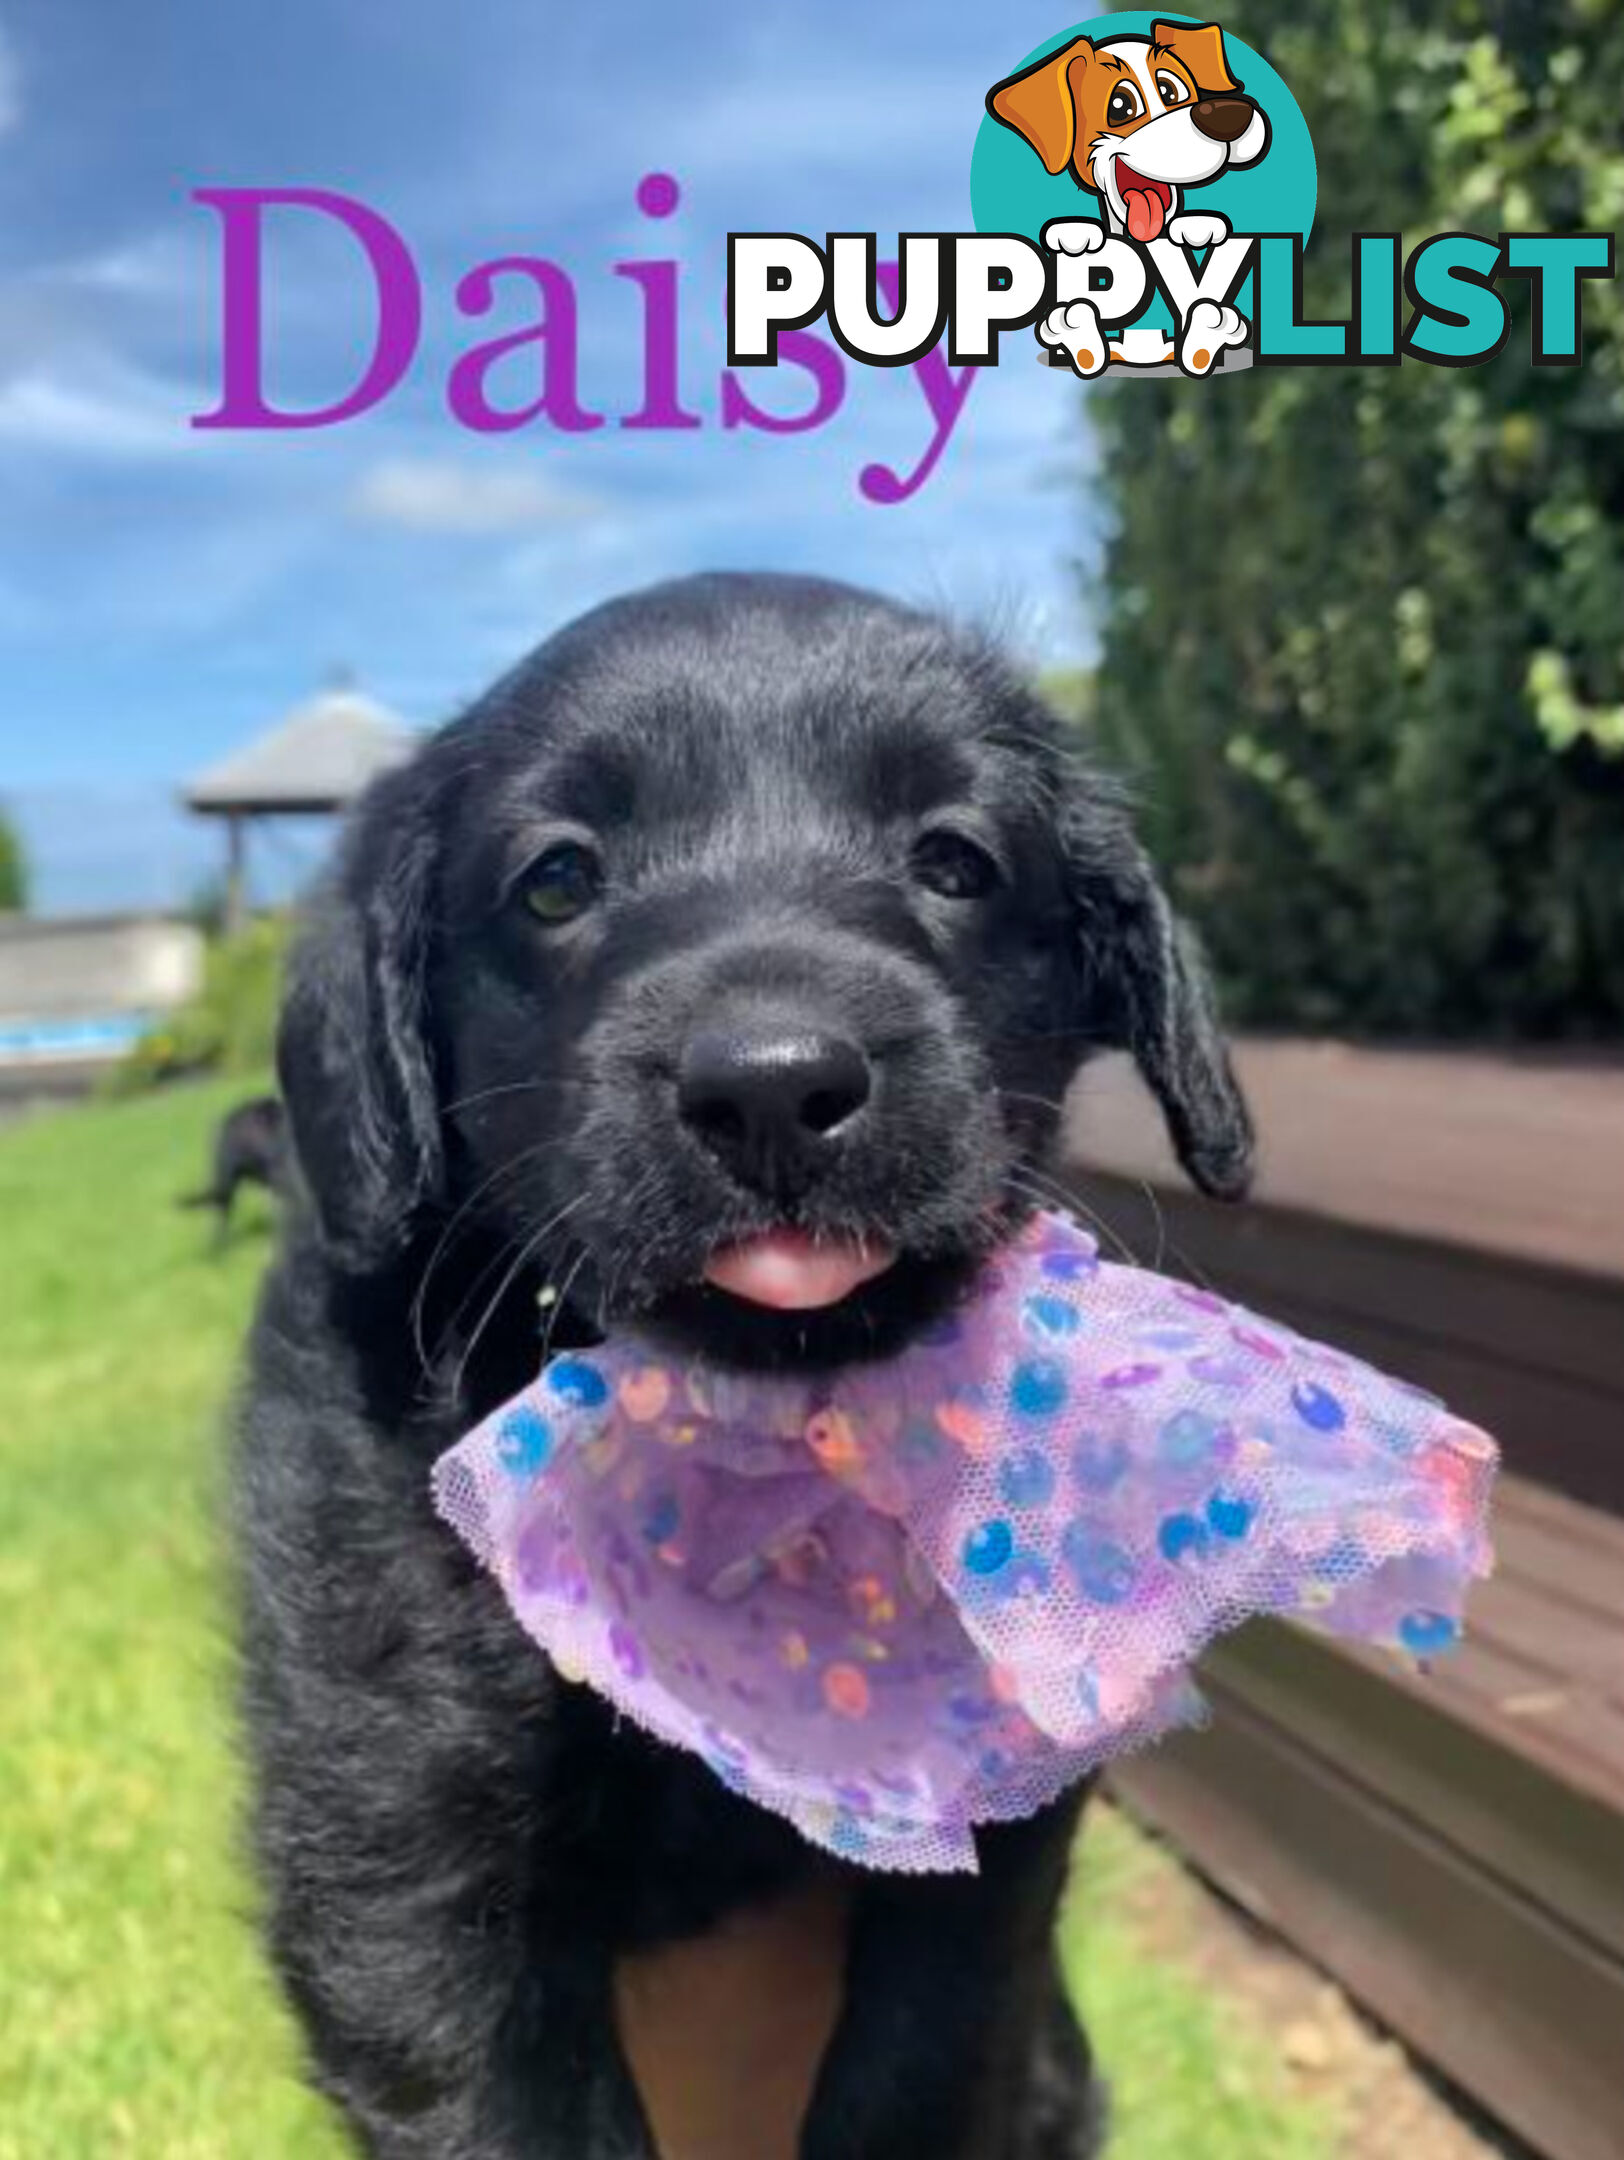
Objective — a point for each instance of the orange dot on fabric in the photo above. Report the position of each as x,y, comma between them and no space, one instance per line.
602,1454
793,1650
644,1393
963,1423
872,1601
1005,1686
832,1438
845,1690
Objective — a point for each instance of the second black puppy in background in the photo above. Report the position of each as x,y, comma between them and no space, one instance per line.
250,1148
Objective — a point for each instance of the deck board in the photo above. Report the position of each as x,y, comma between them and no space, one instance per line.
1450,1843
1515,1154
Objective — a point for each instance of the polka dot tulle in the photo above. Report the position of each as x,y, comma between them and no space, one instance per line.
914,1597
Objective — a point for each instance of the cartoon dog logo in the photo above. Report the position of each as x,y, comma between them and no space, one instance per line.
1137,120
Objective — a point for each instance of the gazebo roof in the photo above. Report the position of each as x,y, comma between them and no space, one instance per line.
317,759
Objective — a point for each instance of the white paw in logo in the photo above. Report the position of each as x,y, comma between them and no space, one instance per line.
1195,230
1208,329
1072,236
1075,330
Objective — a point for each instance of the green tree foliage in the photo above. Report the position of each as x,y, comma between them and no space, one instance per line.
1363,639
13,869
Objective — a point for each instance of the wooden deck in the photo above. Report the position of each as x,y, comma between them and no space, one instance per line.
1452,1846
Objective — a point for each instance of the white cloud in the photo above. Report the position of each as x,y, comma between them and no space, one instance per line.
442,496
11,95
106,412
157,266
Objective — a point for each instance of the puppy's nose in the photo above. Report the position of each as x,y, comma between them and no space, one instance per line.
766,1099
1223,118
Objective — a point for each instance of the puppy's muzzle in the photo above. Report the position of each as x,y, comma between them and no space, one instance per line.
1223,119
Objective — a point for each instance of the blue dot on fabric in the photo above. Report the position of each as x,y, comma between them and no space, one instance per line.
1070,1266
1101,1569
1026,1479
1318,1407
847,1834
579,1383
1187,1438
1050,1316
1181,1536
1230,1515
970,1710
1099,1461
1037,1387
988,1547
1425,1634
524,1440
662,1519
1027,1576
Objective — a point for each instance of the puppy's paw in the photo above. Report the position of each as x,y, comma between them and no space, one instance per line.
1198,230
1208,329
1075,330
1072,236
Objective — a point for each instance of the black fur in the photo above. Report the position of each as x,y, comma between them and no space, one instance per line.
455,1845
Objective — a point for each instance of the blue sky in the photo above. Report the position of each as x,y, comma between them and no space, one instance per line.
164,593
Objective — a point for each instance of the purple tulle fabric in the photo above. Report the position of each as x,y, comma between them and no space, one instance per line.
913,1597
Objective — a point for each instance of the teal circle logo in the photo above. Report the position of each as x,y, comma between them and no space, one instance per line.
1142,151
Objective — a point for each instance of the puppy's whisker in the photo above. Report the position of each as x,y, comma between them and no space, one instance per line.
1043,1102
1167,1247
507,1168
481,1280
617,1274
505,1087
1160,1219
527,1248
1047,1192
1095,1037
560,1301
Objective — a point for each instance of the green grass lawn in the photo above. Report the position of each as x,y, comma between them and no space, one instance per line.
135,2018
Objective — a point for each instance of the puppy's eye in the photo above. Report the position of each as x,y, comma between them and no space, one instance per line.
947,863
1124,106
1173,92
562,883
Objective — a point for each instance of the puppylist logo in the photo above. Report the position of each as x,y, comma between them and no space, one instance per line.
1143,188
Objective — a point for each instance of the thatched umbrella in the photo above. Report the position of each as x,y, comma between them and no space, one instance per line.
311,764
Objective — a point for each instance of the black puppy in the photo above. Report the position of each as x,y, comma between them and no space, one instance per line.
746,906
250,1148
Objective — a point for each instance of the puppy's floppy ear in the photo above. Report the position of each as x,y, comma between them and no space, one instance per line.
1200,46
1146,991
353,1055
1041,102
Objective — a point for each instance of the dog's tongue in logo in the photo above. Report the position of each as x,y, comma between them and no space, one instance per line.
1145,201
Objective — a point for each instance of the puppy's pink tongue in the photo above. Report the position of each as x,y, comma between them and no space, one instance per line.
1144,208
786,1269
